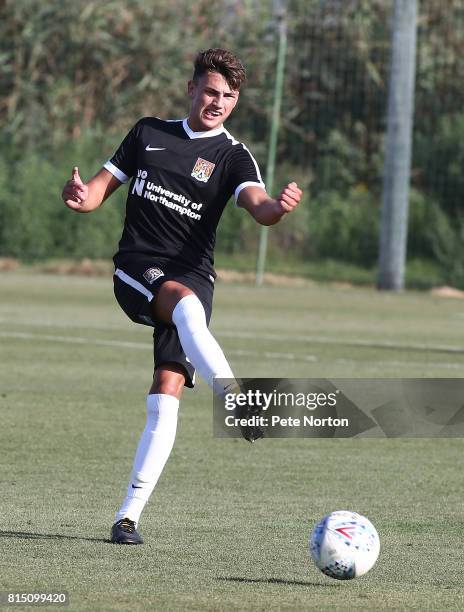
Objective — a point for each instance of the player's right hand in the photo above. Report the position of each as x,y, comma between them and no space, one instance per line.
289,197
75,191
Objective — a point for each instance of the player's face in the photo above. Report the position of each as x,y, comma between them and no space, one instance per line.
212,102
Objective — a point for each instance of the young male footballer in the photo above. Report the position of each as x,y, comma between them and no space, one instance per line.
181,174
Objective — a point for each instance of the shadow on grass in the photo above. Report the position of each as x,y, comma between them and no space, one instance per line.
276,581
47,536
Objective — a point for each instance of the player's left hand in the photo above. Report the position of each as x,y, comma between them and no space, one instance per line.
289,197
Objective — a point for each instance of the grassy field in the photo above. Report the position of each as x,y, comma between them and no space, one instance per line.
228,524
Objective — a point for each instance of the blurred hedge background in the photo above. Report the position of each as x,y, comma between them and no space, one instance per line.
75,75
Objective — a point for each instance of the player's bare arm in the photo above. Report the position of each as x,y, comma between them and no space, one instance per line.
85,197
266,210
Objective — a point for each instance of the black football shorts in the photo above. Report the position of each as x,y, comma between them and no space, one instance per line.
137,280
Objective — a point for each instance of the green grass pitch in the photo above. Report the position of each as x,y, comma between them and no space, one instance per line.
228,524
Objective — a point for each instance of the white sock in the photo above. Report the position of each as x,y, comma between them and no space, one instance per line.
198,343
154,448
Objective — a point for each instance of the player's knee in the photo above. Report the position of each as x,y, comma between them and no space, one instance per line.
169,379
189,314
171,387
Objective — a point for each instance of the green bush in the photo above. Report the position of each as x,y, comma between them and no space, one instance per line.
236,232
344,161
448,244
344,227
35,224
433,236
424,217
28,203
439,160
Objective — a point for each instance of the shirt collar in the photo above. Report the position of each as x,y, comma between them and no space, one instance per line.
207,134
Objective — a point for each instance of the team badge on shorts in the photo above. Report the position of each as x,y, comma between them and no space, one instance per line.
152,274
202,170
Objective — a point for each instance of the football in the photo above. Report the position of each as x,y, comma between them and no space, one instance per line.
344,545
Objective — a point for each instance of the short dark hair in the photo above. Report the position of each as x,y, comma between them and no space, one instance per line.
222,61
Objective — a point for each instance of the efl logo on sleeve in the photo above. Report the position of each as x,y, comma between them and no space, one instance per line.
202,170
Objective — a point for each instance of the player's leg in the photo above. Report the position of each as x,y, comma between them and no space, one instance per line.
172,371
153,449
175,303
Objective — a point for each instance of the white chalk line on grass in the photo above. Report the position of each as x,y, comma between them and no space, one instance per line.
145,346
74,340
382,344
378,365
440,348
269,355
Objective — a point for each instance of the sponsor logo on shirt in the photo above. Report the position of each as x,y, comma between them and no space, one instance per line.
202,170
152,274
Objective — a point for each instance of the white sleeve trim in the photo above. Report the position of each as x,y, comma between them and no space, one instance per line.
119,174
247,184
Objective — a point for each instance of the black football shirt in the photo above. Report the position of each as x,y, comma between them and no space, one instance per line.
180,182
